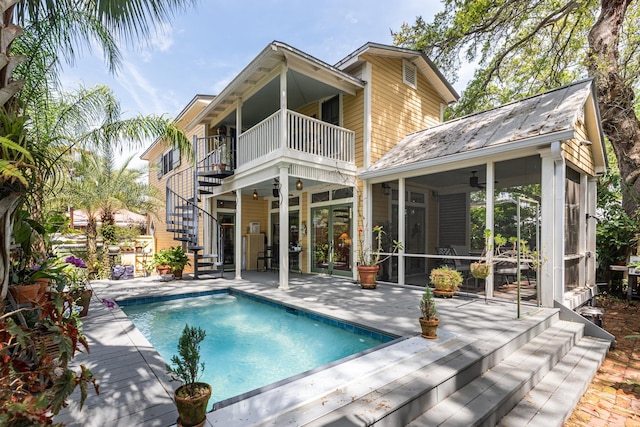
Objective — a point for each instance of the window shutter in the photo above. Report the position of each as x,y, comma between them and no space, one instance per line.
453,219
176,157
160,171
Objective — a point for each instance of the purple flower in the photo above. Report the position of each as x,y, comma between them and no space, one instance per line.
34,267
76,262
108,303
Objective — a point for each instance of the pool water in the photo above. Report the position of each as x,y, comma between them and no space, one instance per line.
248,344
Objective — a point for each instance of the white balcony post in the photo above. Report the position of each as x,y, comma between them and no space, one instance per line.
283,108
284,227
238,235
490,188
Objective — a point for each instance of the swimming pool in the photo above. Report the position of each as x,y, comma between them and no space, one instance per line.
250,342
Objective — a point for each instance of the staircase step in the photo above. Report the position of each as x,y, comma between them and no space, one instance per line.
209,183
487,398
553,399
207,264
216,174
184,239
195,248
401,390
208,256
204,192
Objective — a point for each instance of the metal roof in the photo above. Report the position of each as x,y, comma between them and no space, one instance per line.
510,126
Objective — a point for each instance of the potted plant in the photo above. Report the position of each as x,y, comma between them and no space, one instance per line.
446,281
192,396
77,278
171,261
429,321
481,269
369,260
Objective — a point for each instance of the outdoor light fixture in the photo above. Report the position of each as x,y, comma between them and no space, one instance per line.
255,195
276,188
387,188
299,185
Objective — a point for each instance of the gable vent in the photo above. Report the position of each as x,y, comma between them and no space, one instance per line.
409,74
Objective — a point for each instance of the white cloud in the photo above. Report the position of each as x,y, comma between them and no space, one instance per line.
144,94
160,41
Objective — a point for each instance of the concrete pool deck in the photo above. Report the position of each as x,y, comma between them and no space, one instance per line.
135,390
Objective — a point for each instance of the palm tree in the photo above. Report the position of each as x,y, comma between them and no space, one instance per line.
36,37
102,190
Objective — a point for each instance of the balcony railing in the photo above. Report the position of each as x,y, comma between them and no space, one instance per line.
305,135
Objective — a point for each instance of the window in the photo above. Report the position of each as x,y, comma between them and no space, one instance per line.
168,161
409,74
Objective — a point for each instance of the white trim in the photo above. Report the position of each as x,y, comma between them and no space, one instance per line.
402,206
366,137
409,68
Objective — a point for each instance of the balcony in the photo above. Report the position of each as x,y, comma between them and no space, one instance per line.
306,138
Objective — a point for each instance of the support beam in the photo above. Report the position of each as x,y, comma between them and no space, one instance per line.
238,236
283,249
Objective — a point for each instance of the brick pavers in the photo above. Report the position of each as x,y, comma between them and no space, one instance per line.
613,398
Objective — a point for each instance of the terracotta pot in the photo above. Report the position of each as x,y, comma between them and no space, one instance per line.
429,328
443,294
192,410
25,293
43,283
368,275
163,269
177,274
83,299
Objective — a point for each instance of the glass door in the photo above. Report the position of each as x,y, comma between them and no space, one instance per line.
227,222
331,240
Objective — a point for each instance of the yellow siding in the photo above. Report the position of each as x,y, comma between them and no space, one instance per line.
353,119
310,110
163,238
580,155
254,211
398,109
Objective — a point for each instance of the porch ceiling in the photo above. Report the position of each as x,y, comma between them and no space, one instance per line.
309,79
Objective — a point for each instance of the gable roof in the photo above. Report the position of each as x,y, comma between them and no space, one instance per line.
534,121
416,57
269,59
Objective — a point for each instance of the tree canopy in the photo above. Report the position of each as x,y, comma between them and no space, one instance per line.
523,47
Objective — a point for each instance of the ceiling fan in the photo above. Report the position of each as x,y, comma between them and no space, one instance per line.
474,181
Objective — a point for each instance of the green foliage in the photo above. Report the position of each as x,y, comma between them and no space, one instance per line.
615,229
521,47
428,305
175,257
186,365
27,364
446,279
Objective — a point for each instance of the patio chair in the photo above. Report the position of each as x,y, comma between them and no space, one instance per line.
507,268
462,265
446,262
267,258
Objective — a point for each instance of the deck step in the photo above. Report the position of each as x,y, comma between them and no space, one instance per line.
491,395
552,400
400,390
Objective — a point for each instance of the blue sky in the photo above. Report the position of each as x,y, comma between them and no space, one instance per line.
200,51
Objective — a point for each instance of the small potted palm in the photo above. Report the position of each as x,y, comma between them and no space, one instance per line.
429,321
191,397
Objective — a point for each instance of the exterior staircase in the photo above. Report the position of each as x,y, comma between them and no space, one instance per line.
194,227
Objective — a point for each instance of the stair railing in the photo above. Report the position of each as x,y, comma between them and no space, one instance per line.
182,209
